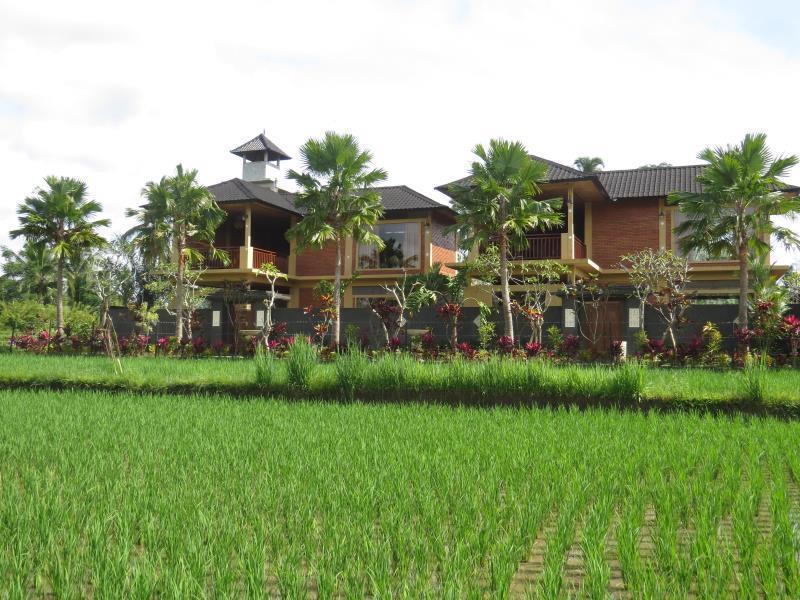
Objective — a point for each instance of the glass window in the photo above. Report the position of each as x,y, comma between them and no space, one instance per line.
401,248
695,255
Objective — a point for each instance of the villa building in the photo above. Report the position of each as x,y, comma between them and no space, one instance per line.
605,215
259,214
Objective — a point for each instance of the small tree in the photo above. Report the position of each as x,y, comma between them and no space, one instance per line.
21,315
590,297
183,280
408,297
659,279
272,274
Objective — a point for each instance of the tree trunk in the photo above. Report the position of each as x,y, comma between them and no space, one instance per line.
508,320
744,284
60,296
337,295
179,292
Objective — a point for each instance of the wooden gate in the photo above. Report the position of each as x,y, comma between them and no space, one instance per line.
605,324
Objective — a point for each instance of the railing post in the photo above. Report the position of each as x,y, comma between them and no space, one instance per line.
245,257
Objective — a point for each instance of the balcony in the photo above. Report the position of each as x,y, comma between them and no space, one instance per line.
242,258
557,246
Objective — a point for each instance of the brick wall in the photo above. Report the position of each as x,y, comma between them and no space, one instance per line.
312,261
622,227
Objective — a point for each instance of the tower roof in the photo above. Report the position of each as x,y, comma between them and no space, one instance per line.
256,148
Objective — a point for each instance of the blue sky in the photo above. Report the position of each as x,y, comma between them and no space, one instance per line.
119,95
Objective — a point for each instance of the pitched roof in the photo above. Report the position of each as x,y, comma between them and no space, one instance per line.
254,149
402,197
650,181
394,198
238,190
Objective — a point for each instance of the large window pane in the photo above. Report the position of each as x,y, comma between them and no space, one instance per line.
401,247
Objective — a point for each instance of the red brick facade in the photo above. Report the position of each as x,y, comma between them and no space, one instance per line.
317,262
623,227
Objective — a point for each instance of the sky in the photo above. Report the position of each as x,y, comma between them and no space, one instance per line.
118,94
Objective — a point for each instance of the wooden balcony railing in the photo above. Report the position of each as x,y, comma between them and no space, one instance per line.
212,262
241,257
580,248
540,247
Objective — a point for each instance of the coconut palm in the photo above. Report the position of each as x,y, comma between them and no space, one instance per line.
589,164
60,217
177,211
499,204
30,271
335,192
730,217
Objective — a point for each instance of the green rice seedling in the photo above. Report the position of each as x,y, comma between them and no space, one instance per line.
266,368
301,363
351,368
754,379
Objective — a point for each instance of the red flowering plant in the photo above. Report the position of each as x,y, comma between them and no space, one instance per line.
450,313
791,328
466,350
199,345
533,349
505,344
570,345
218,348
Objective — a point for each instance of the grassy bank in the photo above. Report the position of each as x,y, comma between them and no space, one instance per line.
401,378
120,495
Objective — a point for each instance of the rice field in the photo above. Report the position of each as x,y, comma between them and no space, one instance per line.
402,378
123,495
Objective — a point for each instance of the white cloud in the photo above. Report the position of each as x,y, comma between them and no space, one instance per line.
119,97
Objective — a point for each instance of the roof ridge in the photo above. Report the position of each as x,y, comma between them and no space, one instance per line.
656,168
554,163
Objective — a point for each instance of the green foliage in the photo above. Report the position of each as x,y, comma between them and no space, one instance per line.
60,217
754,378
555,337
301,363
733,214
24,316
640,340
80,320
336,192
487,329
29,272
351,369
589,164
266,367
713,354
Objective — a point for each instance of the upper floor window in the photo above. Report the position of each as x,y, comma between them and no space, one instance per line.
401,247
694,255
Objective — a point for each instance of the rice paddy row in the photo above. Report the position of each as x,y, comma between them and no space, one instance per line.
401,378
117,495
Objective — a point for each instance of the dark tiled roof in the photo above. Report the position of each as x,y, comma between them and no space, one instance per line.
238,190
402,197
623,183
651,181
261,143
394,198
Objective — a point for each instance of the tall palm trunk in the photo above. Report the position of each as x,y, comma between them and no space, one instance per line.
179,291
337,294
508,320
744,284
60,296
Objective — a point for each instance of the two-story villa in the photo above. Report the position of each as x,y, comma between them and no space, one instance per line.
259,213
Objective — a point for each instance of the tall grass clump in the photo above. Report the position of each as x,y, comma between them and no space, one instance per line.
351,367
754,378
266,368
300,364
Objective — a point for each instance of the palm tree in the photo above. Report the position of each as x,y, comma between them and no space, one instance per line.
499,204
29,271
177,210
589,164
59,217
731,215
335,191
